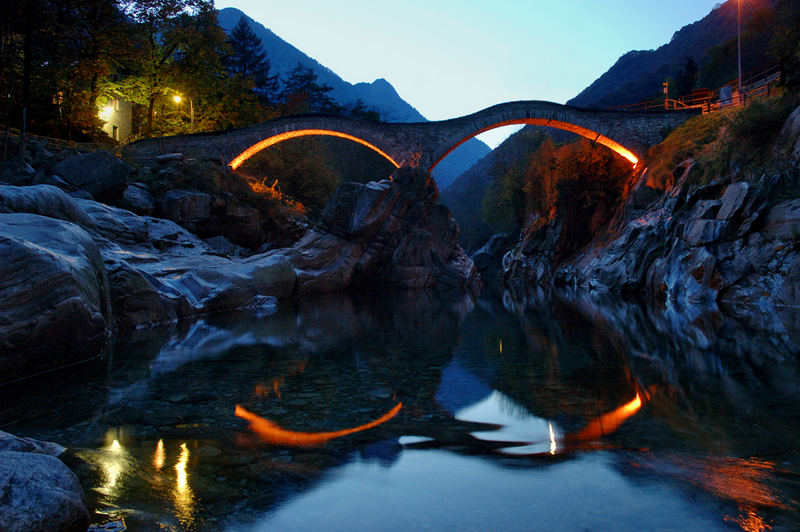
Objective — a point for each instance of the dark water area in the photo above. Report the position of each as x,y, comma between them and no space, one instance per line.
411,411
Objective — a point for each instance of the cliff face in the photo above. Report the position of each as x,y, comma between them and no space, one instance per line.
732,243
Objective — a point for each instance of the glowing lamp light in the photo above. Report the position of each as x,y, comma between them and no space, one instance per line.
177,98
105,113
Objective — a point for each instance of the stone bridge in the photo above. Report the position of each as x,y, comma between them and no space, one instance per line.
629,133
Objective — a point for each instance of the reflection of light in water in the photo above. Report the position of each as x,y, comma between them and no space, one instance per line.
501,347
114,463
183,496
607,423
272,433
538,435
745,481
159,456
517,424
750,521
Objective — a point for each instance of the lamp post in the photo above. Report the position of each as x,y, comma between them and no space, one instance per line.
739,46
191,112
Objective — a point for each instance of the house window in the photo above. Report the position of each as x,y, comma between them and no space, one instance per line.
116,104
115,132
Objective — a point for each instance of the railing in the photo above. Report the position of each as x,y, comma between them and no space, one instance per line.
756,85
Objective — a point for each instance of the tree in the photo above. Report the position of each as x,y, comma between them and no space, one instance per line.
302,93
163,27
248,61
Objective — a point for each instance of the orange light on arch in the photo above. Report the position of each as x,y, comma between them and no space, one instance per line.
566,126
275,139
274,434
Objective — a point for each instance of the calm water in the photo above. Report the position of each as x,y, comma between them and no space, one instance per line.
417,412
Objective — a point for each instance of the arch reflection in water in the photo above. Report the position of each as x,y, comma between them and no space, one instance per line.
272,433
536,435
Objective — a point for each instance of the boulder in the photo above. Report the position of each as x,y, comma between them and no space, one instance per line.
137,198
783,220
185,206
9,442
54,306
389,233
38,492
733,200
99,173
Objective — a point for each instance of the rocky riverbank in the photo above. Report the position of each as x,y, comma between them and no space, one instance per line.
74,270
731,243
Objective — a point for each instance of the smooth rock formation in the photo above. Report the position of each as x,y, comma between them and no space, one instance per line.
389,233
54,295
38,492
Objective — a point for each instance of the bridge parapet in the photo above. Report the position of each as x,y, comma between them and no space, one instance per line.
629,133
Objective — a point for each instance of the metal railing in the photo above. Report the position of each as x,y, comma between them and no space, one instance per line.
758,84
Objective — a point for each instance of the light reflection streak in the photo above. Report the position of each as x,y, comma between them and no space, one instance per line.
273,434
552,438
607,423
182,494
159,456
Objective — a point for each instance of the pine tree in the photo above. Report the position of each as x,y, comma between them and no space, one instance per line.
248,60
302,93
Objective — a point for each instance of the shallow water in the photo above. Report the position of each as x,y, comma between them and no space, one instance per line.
416,412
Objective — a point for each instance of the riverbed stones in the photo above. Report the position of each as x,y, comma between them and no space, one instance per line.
39,492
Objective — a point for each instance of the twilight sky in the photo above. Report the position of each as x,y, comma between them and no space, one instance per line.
449,58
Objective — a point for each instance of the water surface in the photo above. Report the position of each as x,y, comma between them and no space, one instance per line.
415,411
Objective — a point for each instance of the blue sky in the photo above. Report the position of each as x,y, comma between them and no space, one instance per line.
449,58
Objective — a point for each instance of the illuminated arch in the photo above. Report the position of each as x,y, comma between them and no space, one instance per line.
275,139
566,126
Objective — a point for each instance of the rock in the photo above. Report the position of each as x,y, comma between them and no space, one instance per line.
391,233
733,200
221,245
168,158
237,222
54,303
185,206
16,173
783,220
9,442
99,173
702,232
491,252
137,198
38,492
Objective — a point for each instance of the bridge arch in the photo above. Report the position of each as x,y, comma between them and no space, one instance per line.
575,123
280,137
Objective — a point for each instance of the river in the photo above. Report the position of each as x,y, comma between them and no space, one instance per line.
412,411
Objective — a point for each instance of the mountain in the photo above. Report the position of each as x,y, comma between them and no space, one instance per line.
379,95
637,76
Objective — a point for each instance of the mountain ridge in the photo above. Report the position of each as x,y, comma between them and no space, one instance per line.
379,94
